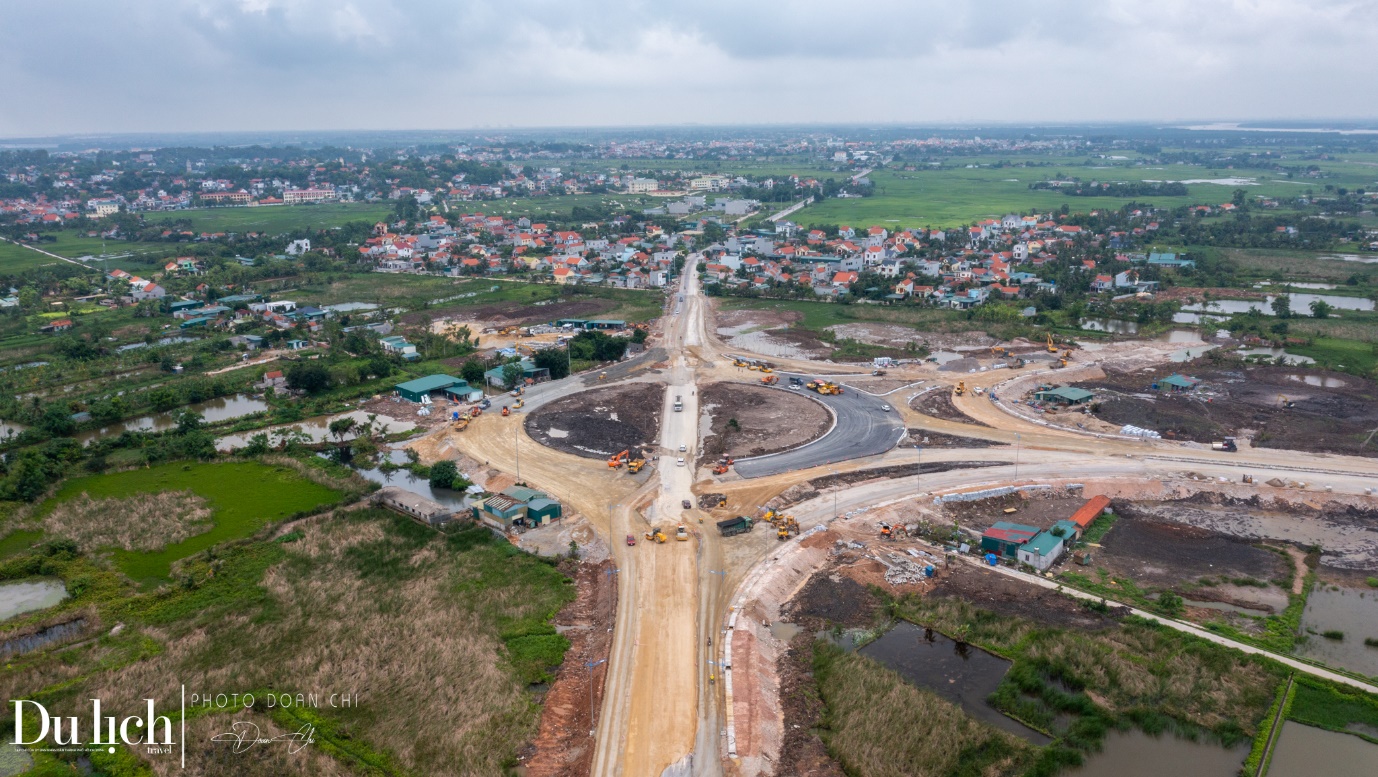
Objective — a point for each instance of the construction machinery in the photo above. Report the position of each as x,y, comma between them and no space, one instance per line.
738,363
886,533
656,535
754,367
461,424
477,411
961,388
785,526
733,526
1067,355
635,465
999,350
1051,348
681,534
1228,445
505,411
770,380
1285,403
618,460
519,404
602,376
766,369
722,465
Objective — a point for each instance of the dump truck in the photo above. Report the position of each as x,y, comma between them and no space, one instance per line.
733,526
681,534
770,380
635,465
1228,444
461,424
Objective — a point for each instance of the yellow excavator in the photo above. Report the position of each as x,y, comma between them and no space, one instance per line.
961,388
1285,403
1051,348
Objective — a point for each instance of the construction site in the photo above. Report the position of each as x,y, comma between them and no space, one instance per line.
602,422
744,420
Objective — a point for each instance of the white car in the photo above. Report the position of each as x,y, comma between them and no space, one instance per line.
680,461
683,447
886,408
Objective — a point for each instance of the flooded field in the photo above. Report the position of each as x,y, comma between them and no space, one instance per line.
1351,612
407,481
28,596
961,673
213,411
316,429
1306,751
1136,754
1301,304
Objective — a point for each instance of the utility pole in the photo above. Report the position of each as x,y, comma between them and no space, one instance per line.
918,475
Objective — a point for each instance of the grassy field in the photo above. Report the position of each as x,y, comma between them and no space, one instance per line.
881,726
436,636
243,497
275,219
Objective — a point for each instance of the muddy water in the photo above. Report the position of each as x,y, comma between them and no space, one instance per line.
1318,381
1274,353
1306,751
1136,754
407,481
316,428
1352,611
8,428
1110,325
29,595
784,631
58,632
213,411
962,674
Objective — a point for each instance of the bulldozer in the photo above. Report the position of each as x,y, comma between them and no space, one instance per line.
635,465
618,460
785,526
656,535
961,388
1051,348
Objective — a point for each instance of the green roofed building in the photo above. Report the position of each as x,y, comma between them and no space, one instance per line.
1177,382
421,389
1064,395
1042,551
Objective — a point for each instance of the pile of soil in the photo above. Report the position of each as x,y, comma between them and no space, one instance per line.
514,313
927,439
802,752
709,501
599,423
1005,595
562,747
1038,511
938,404
897,471
766,420
831,599
1336,416
1162,554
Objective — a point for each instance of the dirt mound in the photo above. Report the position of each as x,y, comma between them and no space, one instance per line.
562,746
832,600
599,423
1158,553
748,420
1010,597
1330,412
897,471
927,439
512,313
938,404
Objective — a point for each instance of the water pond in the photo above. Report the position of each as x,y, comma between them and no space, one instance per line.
1136,754
316,429
406,480
212,410
1354,612
1307,751
960,673
29,595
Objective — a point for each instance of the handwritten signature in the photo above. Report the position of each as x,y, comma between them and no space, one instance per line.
245,735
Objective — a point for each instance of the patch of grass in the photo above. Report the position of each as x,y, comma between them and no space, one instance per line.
19,541
243,497
875,723
1352,356
1281,703
275,219
1333,634
1333,707
1099,528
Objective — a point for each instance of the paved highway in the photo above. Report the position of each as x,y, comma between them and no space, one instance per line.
863,429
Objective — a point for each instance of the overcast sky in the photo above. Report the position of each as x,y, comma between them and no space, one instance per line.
77,66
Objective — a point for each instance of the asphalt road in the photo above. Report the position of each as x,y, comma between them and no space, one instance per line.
862,429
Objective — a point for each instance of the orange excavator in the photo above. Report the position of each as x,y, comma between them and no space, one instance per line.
723,464
770,380
505,411
618,460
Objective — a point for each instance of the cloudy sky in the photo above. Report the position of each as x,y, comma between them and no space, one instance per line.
78,66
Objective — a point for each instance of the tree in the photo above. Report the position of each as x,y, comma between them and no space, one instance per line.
341,426
511,374
1320,308
188,422
56,421
443,474
472,372
554,359
1282,306
308,377
1238,198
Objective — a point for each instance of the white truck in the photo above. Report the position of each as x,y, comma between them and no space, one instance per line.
679,403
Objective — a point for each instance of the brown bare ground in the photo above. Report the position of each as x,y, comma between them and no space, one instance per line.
563,747
146,522
768,420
